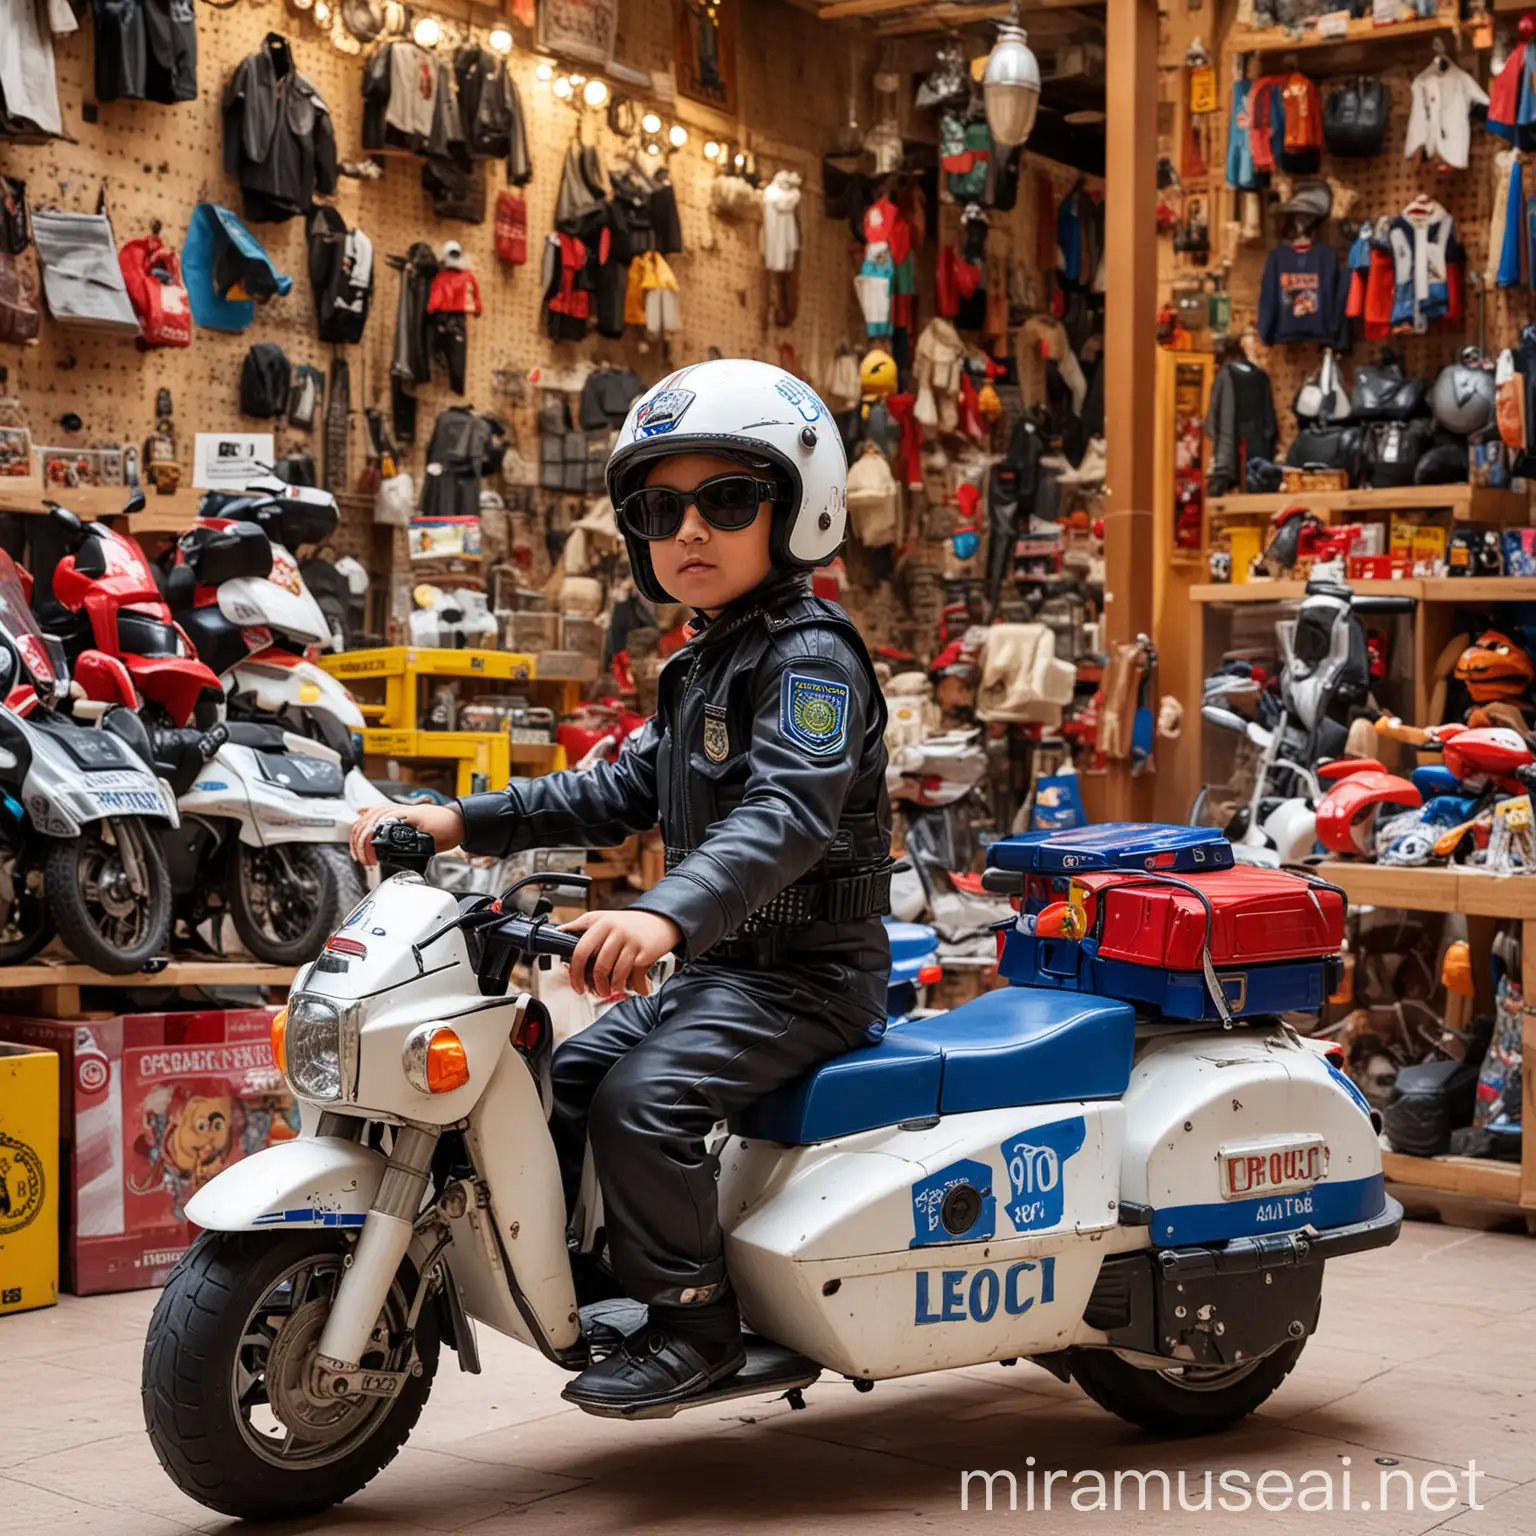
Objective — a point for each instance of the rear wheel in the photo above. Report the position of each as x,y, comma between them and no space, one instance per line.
285,900
26,925
1184,1400
228,1396
110,893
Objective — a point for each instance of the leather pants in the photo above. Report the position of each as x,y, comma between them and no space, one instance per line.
650,1079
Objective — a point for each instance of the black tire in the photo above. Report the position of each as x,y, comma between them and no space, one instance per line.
26,925
103,921
198,1351
1186,1402
285,900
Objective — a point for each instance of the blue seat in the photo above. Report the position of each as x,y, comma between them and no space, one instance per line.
1018,1045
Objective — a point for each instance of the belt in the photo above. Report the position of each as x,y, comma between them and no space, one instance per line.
822,899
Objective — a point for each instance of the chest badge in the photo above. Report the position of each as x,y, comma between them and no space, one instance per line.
717,739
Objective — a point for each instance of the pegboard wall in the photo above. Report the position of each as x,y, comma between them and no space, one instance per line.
1363,189
156,162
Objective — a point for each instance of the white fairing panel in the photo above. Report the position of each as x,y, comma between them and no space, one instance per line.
231,787
279,685
1256,1094
256,600
839,1249
312,1181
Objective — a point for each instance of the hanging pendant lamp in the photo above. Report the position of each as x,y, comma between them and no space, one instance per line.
1011,85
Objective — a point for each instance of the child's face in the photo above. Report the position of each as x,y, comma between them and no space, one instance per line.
700,565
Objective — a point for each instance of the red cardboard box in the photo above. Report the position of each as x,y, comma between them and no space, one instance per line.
152,1106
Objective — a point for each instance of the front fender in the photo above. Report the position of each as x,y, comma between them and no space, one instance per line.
314,1181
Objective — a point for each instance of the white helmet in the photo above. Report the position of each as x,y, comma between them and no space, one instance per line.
755,413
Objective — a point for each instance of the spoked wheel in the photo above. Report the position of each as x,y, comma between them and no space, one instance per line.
26,924
1183,1400
286,899
110,894
229,1395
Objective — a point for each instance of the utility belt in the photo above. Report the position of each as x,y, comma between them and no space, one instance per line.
816,898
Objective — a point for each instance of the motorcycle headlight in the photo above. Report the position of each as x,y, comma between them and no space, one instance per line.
315,1049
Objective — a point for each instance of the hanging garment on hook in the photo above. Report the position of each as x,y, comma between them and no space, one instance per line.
1440,119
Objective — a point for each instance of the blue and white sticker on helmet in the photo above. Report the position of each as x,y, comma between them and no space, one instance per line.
662,412
802,397
813,713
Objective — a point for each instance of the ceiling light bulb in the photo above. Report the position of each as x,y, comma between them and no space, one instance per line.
500,41
595,93
303,5
740,161
653,148
711,150
651,123
677,136
427,33
545,70
322,13
1011,87
562,88
578,79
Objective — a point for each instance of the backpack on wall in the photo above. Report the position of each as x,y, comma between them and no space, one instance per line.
152,275
265,381
21,279
512,228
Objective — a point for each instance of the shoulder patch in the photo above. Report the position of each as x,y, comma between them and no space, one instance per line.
813,713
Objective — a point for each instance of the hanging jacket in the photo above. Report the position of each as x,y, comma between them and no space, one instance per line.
278,138
399,97
146,50
781,226
567,300
1302,296
1421,239
1240,424
1440,119
1504,94
1241,173
1302,140
455,291
340,275
492,112
412,357
456,460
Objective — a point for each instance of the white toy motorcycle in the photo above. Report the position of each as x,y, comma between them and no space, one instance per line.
1141,1201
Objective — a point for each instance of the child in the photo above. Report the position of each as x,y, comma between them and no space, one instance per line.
765,764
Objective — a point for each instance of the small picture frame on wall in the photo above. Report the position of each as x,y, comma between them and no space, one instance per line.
17,466
706,53
109,465
68,469
579,29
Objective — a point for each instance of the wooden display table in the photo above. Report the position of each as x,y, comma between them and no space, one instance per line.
162,514
55,983
1456,1181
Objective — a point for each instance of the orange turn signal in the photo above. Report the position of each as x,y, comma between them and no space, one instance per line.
279,1032
447,1065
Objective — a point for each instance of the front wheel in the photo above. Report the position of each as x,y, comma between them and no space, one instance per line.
110,893
285,900
227,1396
1183,1400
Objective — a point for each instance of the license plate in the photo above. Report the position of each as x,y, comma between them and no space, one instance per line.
1275,1165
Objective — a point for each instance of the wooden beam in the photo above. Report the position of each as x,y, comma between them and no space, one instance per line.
1130,337
940,18
838,9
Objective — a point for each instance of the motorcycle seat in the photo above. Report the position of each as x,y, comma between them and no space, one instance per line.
1012,1047
257,734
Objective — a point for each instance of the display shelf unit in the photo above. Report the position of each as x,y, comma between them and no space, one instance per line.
53,985
1467,503
1468,591
162,514
1357,31
1479,896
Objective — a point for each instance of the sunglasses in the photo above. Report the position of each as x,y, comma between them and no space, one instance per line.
728,502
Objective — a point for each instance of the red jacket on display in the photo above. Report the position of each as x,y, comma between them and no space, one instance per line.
454,292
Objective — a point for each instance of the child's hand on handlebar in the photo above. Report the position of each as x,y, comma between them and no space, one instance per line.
445,823
619,948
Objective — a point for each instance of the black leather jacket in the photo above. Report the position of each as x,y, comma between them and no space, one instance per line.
765,764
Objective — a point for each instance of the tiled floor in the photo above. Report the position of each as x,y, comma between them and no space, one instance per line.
1426,1357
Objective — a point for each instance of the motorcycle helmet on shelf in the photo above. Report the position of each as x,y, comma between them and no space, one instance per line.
1462,397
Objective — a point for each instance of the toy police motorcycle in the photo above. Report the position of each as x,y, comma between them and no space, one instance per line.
1139,1194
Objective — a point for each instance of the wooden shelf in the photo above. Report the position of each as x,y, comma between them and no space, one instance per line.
1478,1177
179,973
162,514
1468,503
1465,590
1274,40
1467,891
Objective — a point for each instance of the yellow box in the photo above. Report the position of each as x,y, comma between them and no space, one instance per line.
1247,544
29,1178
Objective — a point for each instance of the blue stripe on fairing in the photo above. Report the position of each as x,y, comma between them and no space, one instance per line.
309,1216
1329,1204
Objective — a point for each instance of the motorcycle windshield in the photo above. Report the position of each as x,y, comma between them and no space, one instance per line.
41,655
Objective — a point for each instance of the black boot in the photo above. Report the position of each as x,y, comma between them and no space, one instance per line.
680,1352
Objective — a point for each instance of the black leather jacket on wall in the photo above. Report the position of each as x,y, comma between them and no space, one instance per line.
765,765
